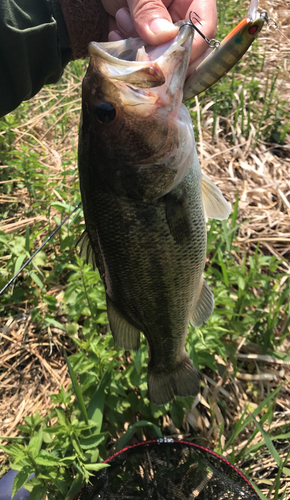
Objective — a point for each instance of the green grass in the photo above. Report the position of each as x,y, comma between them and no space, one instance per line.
109,387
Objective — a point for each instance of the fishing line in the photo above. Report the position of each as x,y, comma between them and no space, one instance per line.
272,24
38,250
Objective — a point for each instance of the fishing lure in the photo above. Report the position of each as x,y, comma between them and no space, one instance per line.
225,54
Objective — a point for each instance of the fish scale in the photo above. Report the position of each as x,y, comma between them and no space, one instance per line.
145,204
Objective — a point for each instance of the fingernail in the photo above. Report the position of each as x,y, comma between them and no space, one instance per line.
124,20
158,25
115,36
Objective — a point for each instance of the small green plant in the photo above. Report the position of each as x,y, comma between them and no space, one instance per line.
62,455
107,402
110,386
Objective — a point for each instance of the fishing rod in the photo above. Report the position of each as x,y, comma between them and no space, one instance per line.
38,250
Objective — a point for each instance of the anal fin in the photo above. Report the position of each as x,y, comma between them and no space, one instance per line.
215,206
182,381
204,305
125,335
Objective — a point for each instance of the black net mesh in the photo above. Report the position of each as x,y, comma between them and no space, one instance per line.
168,471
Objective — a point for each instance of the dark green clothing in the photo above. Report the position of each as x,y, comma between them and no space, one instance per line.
34,49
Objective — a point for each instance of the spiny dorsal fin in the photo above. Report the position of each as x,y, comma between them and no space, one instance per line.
204,305
215,206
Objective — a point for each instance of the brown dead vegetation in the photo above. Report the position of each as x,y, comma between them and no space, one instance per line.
33,361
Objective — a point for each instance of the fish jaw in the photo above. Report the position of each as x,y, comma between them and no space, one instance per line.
146,96
155,79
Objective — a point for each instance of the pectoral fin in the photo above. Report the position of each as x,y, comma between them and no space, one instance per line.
177,216
215,206
86,250
204,305
125,335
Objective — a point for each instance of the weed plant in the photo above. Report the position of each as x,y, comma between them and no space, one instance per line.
109,387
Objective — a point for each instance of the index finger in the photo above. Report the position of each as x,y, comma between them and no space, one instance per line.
207,15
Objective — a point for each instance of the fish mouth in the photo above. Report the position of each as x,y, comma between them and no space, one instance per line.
142,72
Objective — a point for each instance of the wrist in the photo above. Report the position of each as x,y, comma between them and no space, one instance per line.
86,21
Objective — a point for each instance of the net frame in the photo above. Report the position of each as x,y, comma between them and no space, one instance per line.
233,486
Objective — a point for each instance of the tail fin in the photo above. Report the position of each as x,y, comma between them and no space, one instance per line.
181,381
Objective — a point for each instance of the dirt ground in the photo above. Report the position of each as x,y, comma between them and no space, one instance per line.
35,367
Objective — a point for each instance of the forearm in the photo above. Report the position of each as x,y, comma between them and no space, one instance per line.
36,44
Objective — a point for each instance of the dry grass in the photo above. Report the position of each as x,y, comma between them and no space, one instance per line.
34,369
260,174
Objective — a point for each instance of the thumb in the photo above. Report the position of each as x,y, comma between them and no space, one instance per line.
152,21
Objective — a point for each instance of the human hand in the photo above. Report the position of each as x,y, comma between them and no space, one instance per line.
152,20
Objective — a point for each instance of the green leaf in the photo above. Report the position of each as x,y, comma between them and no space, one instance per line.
240,425
75,487
57,478
261,495
14,450
241,283
96,467
27,234
96,405
128,434
77,389
21,478
19,263
77,447
62,206
35,443
37,280
52,321
46,458
15,439
68,460
139,358
61,418
177,414
221,263
92,441
269,443
38,492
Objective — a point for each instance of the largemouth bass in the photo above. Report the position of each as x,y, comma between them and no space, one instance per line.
145,203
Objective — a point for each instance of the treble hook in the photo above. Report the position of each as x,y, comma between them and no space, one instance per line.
212,43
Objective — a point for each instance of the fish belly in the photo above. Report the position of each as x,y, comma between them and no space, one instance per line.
151,259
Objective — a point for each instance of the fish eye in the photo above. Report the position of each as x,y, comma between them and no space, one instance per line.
105,112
